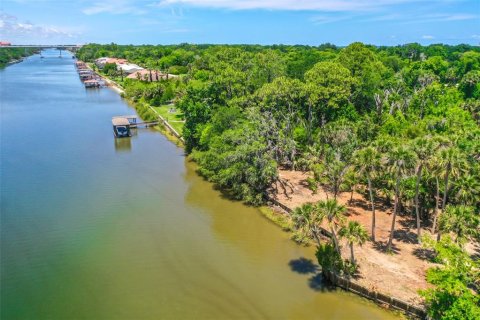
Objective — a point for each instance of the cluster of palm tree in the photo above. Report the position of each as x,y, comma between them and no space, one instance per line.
310,218
430,177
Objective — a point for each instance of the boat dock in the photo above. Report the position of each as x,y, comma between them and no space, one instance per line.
123,124
89,78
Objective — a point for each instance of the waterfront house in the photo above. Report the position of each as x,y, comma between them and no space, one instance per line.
128,68
101,62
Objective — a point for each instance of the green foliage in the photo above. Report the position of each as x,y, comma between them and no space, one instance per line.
239,162
328,258
313,108
110,69
10,54
455,295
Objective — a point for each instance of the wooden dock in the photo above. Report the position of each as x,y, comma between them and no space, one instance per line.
145,124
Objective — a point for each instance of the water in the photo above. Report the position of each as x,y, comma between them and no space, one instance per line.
98,228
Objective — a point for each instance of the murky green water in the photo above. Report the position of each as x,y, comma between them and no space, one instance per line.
93,228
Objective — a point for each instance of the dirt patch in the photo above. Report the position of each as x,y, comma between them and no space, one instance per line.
400,273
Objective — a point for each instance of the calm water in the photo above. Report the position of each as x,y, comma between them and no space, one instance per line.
94,228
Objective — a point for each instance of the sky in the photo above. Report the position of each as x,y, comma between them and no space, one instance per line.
310,22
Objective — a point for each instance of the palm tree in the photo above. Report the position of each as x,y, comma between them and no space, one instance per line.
452,161
423,149
354,233
435,170
334,213
400,161
308,220
460,220
367,161
467,189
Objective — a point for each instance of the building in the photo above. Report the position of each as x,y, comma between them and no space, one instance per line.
5,44
128,68
101,62
154,75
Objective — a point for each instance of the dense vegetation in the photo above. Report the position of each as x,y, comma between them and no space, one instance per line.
10,54
399,124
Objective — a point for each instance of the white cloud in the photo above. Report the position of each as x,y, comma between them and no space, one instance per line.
113,7
324,19
428,37
23,31
315,5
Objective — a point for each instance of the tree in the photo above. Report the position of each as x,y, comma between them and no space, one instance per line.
455,295
366,71
400,161
423,148
327,86
334,213
460,220
367,161
308,220
354,233
453,162
467,189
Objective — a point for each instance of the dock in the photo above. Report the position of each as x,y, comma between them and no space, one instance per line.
123,124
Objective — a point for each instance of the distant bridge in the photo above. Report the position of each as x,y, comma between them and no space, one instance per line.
45,46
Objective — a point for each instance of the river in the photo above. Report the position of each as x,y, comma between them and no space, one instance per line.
98,228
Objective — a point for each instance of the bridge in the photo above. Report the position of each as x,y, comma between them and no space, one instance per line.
45,46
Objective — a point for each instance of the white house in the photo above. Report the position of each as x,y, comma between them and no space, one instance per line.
128,68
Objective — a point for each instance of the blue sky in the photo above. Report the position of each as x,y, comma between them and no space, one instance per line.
312,22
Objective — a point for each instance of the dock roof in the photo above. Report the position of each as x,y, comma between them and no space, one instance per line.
118,121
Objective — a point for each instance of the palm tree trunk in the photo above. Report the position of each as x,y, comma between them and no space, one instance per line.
435,210
352,257
335,239
417,209
315,234
310,123
395,209
445,192
373,205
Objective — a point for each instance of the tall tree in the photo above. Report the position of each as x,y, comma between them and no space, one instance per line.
423,148
367,161
400,161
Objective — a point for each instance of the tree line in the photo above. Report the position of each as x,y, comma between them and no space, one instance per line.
10,54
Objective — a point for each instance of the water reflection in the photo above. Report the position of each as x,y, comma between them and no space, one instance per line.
123,144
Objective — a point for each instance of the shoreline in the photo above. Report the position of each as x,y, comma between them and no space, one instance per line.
274,211
278,214
166,129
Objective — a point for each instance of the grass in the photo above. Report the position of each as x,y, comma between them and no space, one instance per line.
281,220
175,119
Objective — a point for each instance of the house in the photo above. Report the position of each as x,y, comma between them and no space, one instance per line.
150,75
128,68
101,62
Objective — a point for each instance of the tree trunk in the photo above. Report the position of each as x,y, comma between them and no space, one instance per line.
435,210
352,257
445,192
373,205
316,237
395,209
310,121
417,209
335,240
